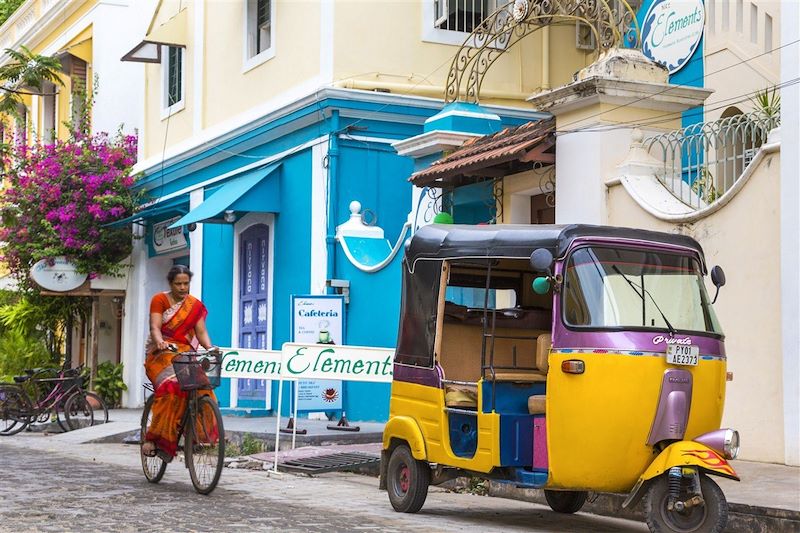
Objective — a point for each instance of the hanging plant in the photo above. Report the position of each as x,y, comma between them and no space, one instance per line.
60,199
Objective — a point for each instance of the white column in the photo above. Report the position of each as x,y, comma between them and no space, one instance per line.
135,325
196,247
790,230
319,251
584,162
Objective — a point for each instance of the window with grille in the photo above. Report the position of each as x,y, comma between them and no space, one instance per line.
462,15
174,75
259,26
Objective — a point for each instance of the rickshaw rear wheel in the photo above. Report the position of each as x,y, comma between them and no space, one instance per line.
407,480
708,518
565,501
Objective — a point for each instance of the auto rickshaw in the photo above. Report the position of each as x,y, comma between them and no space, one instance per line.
566,358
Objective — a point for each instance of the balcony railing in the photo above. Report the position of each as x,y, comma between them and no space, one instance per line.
703,161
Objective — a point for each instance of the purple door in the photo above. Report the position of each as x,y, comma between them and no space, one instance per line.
254,261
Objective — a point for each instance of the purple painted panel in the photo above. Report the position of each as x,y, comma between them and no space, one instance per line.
418,374
674,401
540,443
653,341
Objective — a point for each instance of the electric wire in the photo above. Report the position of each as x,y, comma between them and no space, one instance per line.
659,119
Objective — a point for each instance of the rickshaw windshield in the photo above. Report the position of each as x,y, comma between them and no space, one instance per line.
637,289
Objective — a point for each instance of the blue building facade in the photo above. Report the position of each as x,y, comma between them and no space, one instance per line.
261,205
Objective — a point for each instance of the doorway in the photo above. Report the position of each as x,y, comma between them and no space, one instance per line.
253,306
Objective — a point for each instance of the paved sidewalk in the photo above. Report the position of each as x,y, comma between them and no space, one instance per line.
767,498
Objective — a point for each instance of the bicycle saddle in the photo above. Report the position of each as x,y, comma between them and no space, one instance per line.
21,379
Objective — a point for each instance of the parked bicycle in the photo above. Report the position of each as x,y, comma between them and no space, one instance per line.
45,394
200,429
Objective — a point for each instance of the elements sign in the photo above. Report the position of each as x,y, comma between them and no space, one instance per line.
672,30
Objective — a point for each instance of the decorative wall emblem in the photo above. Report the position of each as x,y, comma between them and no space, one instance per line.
672,30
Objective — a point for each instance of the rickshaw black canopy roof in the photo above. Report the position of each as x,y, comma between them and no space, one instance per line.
445,241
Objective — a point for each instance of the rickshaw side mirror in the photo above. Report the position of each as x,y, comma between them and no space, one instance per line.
542,260
717,276
718,279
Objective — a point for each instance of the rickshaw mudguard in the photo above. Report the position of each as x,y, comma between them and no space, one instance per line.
405,428
683,453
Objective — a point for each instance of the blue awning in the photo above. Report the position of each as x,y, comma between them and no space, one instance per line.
253,192
178,206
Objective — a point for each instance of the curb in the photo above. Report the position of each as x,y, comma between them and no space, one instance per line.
742,518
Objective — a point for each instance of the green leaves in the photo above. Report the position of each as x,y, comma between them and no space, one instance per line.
26,73
108,383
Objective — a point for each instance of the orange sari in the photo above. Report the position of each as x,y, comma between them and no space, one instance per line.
177,327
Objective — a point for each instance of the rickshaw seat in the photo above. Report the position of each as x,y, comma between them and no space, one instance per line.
543,343
459,395
536,404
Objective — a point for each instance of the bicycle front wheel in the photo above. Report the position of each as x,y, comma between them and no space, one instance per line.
78,412
15,409
153,466
204,444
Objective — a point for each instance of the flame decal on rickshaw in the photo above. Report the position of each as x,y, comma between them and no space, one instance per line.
712,460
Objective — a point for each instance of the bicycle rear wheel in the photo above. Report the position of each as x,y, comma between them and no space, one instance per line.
15,409
204,446
78,412
153,467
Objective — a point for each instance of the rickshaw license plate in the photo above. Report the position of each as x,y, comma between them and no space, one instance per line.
680,354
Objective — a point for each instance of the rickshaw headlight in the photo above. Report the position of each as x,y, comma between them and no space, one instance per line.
731,445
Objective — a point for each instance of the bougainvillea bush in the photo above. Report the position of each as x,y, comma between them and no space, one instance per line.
60,197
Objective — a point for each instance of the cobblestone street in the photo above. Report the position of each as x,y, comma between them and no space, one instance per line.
48,485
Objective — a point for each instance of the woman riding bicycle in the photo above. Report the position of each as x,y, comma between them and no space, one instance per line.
177,324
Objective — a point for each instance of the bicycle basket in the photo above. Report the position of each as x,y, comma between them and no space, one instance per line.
195,371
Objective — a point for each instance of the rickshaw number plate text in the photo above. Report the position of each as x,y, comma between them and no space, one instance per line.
681,354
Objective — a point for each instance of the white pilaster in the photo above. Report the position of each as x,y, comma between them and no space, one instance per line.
196,247
790,229
319,251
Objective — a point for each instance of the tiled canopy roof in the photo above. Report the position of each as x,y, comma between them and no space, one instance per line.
533,141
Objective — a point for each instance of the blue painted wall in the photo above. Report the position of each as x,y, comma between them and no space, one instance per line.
217,290
376,176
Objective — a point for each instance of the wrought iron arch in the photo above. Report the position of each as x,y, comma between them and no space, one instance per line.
519,18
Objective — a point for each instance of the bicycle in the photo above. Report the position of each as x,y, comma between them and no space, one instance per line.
18,410
40,385
201,423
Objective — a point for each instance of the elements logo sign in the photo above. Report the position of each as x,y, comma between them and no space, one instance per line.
672,30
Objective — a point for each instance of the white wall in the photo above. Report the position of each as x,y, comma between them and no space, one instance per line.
116,28
790,229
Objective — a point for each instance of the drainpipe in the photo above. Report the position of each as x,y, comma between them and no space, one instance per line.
333,192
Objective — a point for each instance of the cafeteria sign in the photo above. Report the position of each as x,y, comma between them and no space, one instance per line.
672,30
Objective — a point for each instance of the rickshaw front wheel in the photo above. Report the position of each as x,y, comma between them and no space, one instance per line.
711,517
565,501
407,480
